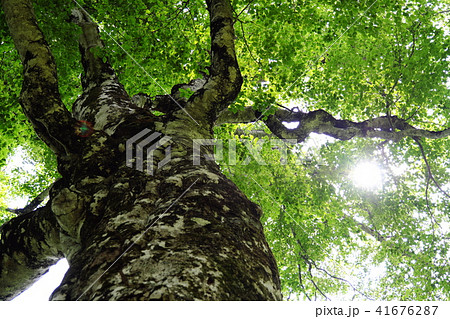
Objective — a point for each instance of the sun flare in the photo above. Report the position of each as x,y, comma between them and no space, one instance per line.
367,175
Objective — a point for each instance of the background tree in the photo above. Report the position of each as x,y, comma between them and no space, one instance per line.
372,76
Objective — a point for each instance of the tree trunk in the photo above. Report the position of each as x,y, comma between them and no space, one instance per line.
179,231
186,233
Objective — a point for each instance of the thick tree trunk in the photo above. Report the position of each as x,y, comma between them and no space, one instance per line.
179,231
186,233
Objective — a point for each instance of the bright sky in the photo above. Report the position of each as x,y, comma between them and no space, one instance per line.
367,175
43,288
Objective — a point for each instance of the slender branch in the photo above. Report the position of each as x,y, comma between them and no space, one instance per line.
312,280
429,173
441,12
341,279
172,17
367,229
33,204
311,262
248,46
301,281
427,200
245,8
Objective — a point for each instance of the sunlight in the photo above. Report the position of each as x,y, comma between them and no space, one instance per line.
367,175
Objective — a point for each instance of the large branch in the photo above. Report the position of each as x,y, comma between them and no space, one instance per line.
225,79
104,102
40,97
28,247
322,122
225,73
96,71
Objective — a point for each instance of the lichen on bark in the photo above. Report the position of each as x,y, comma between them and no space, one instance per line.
185,232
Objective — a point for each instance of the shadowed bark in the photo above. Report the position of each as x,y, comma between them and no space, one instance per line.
29,245
184,232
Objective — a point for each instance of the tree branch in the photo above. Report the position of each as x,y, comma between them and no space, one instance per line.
29,245
366,229
34,203
225,80
301,281
429,173
40,97
96,71
311,263
225,73
322,122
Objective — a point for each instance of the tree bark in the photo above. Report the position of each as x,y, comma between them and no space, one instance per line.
183,232
322,122
29,245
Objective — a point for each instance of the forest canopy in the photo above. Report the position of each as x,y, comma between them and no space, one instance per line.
354,60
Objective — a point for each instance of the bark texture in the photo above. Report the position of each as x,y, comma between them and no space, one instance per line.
29,244
40,98
184,232
322,122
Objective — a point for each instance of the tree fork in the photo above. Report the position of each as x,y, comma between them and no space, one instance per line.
184,233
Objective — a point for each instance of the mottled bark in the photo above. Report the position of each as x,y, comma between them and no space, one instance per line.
184,232
322,122
29,245
40,97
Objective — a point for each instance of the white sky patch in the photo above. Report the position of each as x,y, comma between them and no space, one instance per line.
316,140
298,105
291,125
367,175
18,160
16,202
43,288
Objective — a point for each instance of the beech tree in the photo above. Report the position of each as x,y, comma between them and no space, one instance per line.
253,82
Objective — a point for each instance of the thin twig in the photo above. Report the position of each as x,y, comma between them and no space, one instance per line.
341,279
248,47
430,174
248,4
313,282
427,200
301,281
